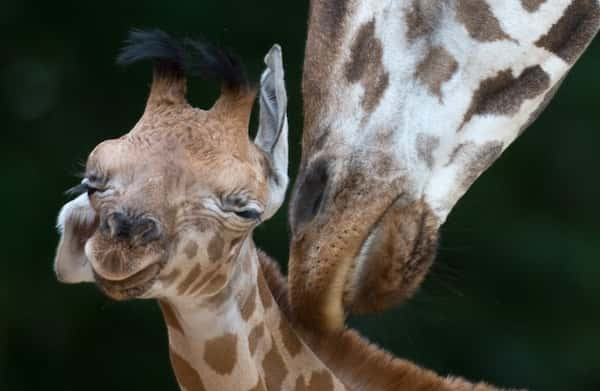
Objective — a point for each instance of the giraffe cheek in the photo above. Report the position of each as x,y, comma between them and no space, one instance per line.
215,247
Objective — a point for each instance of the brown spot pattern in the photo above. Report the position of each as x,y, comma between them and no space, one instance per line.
220,353
319,141
274,368
255,335
235,241
545,102
222,296
420,19
214,284
366,66
170,317
290,339
215,248
479,161
170,277
480,22
426,145
265,293
187,281
455,153
331,15
248,307
503,94
187,376
201,282
191,249
319,381
532,5
436,68
373,94
569,37
384,164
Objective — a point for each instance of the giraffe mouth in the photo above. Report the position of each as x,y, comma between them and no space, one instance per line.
393,259
122,271
134,286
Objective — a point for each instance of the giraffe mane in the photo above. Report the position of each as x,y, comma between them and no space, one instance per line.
359,363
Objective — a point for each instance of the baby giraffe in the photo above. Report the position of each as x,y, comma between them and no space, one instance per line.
167,212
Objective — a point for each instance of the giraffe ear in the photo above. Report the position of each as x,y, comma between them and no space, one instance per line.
77,222
272,136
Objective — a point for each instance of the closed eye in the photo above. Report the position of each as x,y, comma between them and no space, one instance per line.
249,214
243,206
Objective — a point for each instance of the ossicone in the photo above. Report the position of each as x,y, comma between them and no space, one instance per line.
174,60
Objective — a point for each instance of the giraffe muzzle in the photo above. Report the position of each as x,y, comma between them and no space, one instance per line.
122,227
127,254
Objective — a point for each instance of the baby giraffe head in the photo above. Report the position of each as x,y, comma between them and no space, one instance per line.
180,194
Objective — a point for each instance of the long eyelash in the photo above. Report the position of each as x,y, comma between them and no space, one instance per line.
77,190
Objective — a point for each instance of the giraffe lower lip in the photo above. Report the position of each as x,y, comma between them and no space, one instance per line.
140,278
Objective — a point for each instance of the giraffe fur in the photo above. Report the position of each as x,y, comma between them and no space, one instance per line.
406,104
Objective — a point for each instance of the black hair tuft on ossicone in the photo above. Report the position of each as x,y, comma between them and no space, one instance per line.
212,63
167,54
178,59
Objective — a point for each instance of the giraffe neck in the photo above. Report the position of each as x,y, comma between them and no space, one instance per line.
239,339
432,92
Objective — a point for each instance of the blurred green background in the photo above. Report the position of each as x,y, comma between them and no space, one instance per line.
513,297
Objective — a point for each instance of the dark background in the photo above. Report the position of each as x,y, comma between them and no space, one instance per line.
513,298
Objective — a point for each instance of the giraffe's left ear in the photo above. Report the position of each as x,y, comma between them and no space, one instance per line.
272,136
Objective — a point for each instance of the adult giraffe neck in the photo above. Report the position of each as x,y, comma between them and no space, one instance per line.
240,339
406,104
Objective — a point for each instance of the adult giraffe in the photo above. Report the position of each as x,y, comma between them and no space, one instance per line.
406,103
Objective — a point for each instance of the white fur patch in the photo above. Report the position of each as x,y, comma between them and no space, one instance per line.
71,264
78,211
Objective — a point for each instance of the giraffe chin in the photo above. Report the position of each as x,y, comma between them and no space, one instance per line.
132,287
124,271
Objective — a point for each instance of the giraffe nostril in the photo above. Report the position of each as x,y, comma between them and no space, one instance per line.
119,226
